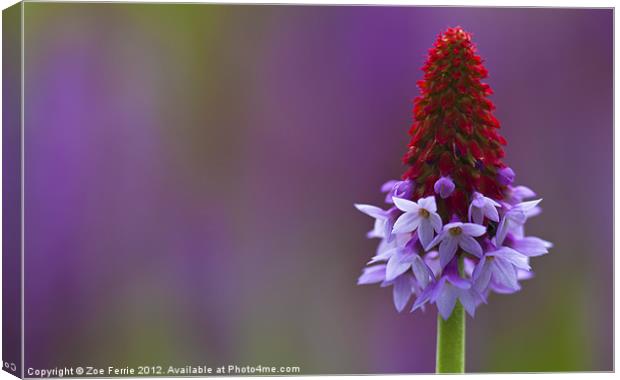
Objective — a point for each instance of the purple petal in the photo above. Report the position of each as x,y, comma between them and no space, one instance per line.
476,215
382,256
401,292
428,203
406,205
502,230
421,271
447,249
469,244
468,300
403,189
505,176
458,281
371,210
491,212
372,275
398,264
407,222
523,192
425,232
436,222
524,275
444,187
511,256
436,240
504,273
472,229
446,301
388,186
531,246
482,275
424,297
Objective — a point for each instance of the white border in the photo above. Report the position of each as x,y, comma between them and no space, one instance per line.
505,3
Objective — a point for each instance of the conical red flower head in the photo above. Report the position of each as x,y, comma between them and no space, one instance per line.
454,132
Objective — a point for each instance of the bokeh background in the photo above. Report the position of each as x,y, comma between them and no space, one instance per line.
191,172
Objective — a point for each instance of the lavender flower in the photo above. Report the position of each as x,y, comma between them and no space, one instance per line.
482,207
444,187
515,218
399,189
505,176
500,265
384,220
449,288
421,216
456,235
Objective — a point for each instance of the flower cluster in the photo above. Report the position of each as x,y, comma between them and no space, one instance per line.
454,225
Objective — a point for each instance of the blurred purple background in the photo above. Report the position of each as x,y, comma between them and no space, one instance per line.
191,172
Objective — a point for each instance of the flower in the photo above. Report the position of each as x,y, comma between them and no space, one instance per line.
421,216
481,207
456,235
408,257
506,176
456,175
402,287
500,265
400,189
372,275
444,187
514,219
530,246
384,220
449,288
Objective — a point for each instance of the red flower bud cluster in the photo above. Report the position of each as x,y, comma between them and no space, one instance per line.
454,132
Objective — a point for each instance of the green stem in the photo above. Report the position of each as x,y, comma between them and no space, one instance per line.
451,342
451,338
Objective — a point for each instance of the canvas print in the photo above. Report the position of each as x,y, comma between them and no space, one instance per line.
205,190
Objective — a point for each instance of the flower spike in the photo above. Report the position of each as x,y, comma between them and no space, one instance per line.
454,226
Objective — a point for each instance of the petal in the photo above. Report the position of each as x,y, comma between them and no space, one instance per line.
421,271
406,205
436,240
436,221
504,273
502,231
472,229
383,256
372,275
458,281
491,212
371,210
523,192
388,186
468,300
428,203
469,244
477,216
424,297
511,256
425,232
482,275
447,249
526,206
452,225
524,274
401,292
407,222
531,246
378,229
446,301
398,264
